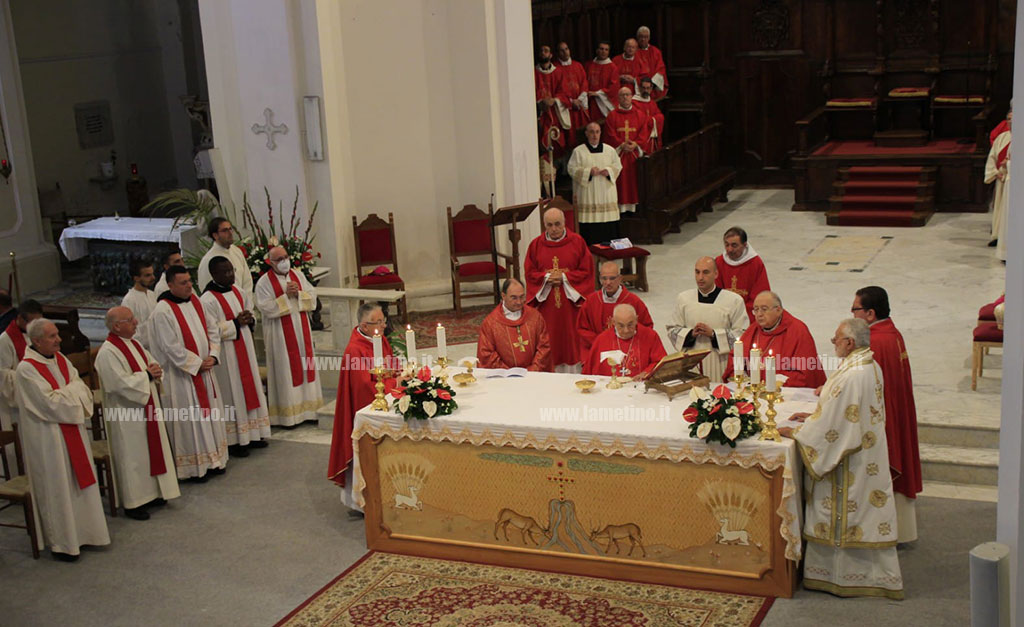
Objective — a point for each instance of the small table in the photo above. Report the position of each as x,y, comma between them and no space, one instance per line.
74,239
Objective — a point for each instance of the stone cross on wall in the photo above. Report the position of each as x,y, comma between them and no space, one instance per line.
269,128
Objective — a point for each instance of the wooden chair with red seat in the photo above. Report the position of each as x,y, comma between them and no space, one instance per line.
15,489
375,246
986,335
470,236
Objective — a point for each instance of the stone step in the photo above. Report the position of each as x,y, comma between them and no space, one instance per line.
958,434
958,464
963,491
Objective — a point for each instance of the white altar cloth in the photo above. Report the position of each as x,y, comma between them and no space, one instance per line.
74,239
544,411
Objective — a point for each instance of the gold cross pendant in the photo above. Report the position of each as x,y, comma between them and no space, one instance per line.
521,343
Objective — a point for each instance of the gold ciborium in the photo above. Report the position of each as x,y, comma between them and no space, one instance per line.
585,385
614,384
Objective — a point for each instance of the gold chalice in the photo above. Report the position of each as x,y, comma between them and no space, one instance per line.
614,384
464,379
585,385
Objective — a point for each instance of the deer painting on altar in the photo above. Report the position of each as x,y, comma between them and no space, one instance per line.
526,525
613,533
408,474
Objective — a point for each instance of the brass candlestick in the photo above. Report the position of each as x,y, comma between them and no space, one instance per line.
769,431
740,380
755,390
379,404
614,384
443,362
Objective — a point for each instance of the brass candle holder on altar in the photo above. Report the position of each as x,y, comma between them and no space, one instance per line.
379,404
442,363
740,380
769,431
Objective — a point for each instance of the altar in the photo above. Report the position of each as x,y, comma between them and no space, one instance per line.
531,472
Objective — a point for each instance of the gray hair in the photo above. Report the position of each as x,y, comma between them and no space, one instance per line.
366,309
775,297
37,327
857,330
643,30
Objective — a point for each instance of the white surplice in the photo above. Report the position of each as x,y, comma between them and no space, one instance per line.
8,365
595,197
243,277
199,443
247,425
727,316
68,517
849,514
142,303
125,394
289,404
1001,197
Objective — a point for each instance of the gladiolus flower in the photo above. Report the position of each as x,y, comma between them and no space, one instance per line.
721,392
307,257
690,415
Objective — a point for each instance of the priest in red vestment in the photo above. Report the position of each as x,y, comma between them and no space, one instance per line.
513,335
628,131
740,269
645,103
634,347
631,67
559,276
572,94
651,56
596,314
356,387
547,80
871,304
775,330
602,83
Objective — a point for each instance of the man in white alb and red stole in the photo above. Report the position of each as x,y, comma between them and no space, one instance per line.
237,372
645,103
286,298
997,170
635,349
55,404
572,95
559,276
596,314
547,80
628,131
602,83
514,335
654,61
186,343
136,431
12,349
631,67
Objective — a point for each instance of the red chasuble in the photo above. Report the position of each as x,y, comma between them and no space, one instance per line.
521,343
547,85
643,352
355,391
748,279
651,109
574,83
157,465
72,435
602,77
622,125
571,255
900,413
652,58
635,67
793,346
17,338
596,316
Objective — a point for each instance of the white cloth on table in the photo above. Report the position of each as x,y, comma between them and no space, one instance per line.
74,239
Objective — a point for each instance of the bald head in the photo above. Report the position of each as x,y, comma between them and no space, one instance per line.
625,98
593,133
767,309
611,278
705,272
624,321
121,322
629,48
554,223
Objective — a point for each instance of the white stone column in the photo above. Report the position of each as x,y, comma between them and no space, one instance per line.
21,227
1009,520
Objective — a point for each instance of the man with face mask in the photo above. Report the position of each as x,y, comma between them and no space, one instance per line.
286,298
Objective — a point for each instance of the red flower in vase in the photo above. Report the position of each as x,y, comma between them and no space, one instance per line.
690,415
721,392
745,407
715,409
398,392
307,257
424,374
444,395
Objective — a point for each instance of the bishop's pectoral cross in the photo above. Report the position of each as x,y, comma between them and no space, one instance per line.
558,290
521,344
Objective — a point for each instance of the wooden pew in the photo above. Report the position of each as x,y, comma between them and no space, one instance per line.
676,183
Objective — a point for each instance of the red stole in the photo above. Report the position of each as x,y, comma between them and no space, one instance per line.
157,466
18,338
190,345
252,398
290,341
72,435
1000,158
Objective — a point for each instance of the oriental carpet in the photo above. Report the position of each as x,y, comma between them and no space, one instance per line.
388,589
464,330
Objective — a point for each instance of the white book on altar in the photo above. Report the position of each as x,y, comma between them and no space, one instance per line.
502,373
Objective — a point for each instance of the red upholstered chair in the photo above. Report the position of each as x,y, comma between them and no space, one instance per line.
375,247
470,236
986,335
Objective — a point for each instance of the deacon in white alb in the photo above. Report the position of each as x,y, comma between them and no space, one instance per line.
223,236
141,299
238,373
13,343
139,446
594,167
55,404
708,318
285,298
186,343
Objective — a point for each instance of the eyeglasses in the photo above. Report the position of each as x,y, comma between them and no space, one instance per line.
853,309
763,309
836,339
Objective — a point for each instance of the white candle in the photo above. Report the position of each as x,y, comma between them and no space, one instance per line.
410,343
737,358
442,345
769,369
378,350
755,365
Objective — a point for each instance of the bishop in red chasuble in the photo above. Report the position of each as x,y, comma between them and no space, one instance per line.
740,269
634,348
596,314
628,131
513,335
631,66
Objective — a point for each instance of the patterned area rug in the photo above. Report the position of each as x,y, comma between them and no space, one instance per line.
387,589
844,253
464,330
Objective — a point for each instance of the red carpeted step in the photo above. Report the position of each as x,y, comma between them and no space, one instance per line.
883,217
884,169
898,184
857,199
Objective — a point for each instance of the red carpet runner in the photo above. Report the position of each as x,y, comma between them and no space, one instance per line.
883,196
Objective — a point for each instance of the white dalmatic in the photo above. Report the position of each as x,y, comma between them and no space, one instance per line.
68,516
726,315
294,392
142,303
8,365
595,196
241,386
234,254
199,438
849,514
127,391
1001,197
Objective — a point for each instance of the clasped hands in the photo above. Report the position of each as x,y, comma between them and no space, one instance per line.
292,289
701,329
245,318
596,171
555,277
